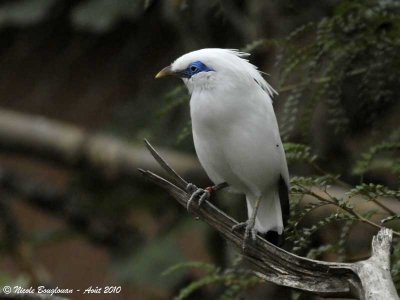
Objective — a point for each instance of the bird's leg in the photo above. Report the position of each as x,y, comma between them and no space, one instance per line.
217,187
202,194
249,226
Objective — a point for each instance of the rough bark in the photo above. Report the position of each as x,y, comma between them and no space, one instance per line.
374,272
369,279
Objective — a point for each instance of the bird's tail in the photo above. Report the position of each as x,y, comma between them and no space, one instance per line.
269,214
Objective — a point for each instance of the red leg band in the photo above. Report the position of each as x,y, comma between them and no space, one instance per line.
210,189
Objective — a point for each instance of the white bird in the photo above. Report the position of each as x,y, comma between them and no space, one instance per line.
236,135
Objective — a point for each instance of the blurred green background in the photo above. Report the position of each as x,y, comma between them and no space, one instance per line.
84,70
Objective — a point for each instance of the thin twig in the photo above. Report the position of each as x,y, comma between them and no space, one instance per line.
347,186
182,183
349,211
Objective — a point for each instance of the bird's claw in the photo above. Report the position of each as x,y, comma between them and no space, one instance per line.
201,194
249,231
191,188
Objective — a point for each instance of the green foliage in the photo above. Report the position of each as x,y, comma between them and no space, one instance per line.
299,153
302,184
365,163
315,188
301,236
349,65
185,132
174,99
372,191
345,65
147,261
208,268
338,248
233,280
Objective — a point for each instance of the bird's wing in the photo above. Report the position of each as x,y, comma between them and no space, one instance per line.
283,189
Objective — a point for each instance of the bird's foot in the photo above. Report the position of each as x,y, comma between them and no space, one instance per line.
201,194
249,231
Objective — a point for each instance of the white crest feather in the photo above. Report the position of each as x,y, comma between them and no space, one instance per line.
255,73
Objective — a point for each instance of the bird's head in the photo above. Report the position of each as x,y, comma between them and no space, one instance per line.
209,68
198,69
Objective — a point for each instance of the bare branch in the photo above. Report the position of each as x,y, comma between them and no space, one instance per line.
74,147
283,268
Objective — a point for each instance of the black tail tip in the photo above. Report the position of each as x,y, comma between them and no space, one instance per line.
274,238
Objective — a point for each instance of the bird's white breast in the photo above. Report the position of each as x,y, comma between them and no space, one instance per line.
236,137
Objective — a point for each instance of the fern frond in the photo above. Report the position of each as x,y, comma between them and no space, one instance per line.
299,153
372,191
208,268
364,163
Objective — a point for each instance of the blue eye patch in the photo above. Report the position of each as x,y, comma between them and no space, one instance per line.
194,68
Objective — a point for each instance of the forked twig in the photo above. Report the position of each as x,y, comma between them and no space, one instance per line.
182,183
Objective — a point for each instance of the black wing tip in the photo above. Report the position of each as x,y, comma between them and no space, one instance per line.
274,238
284,199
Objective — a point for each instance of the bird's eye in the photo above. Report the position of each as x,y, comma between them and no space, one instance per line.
195,68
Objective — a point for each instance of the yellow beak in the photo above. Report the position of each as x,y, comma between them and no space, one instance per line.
165,72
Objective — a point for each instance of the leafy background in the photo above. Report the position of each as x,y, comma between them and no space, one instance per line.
92,64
